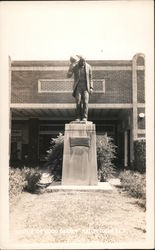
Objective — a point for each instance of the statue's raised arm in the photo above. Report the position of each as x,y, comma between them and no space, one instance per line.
73,62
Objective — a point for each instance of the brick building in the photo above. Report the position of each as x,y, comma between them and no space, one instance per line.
42,102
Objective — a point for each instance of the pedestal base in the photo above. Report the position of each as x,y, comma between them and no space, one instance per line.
101,187
79,157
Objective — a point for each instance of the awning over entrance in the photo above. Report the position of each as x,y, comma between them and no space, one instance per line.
67,111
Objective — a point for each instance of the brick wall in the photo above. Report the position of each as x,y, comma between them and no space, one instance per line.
24,87
140,86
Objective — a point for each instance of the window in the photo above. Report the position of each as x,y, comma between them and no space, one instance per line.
65,85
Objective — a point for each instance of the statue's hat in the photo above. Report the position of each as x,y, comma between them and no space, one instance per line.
81,57
74,58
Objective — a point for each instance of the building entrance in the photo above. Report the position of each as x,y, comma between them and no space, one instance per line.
52,129
31,137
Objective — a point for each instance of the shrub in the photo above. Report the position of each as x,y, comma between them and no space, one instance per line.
55,156
140,155
135,184
106,153
16,184
32,177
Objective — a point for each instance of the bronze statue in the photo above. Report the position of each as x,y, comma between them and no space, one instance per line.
83,85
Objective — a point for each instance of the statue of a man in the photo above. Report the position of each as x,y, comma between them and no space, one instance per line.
83,85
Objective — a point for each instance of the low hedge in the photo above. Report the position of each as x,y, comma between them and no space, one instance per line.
54,156
106,153
32,176
140,155
135,185
22,179
17,183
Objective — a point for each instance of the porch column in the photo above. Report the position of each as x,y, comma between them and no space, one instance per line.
134,96
125,148
33,141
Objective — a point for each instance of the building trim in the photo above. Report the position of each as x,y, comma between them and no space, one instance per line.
134,93
141,131
134,96
110,105
140,105
69,105
19,118
140,67
65,68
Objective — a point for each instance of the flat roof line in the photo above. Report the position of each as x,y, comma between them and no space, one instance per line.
69,105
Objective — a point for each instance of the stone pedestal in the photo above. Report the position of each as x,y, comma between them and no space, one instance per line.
79,157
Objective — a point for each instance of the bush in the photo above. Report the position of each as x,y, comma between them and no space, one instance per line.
140,155
19,180
55,156
32,177
135,184
16,184
106,153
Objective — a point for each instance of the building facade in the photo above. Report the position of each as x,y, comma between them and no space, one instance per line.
42,102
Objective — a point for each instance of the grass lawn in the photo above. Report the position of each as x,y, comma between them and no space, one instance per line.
77,218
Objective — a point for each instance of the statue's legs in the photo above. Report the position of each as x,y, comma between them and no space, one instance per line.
78,98
82,99
85,100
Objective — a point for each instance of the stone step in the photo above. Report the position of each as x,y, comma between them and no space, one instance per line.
115,182
101,187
